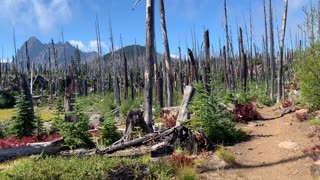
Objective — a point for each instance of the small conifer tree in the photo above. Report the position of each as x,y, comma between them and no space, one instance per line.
23,121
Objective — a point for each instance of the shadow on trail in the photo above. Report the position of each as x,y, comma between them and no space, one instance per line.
244,166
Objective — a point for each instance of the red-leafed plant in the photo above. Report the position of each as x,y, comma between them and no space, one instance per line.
169,118
180,160
12,141
286,104
302,116
245,112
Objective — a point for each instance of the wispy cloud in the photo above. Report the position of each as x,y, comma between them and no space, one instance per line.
89,47
43,15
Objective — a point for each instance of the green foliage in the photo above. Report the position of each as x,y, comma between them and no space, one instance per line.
7,99
315,122
90,167
39,129
225,155
211,116
58,116
130,104
109,132
307,68
5,129
75,133
23,122
187,173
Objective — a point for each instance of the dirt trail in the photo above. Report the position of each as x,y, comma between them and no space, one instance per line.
274,152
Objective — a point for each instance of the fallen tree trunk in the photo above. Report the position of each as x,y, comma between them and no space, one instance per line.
52,147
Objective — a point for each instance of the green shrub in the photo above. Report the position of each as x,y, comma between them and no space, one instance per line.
225,155
315,122
90,167
39,128
187,173
109,132
75,133
307,68
23,122
7,100
211,116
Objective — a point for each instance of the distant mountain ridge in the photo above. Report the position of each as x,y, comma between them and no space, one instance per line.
39,52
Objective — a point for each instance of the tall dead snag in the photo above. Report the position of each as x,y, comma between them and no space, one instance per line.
69,98
114,68
266,56
226,48
50,75
226,83
280,75
180,71
125,83
194,73
243,62
148,73
131,85
272,60
207,67
166,54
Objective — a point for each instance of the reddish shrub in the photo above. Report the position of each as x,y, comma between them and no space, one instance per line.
245,112
11,141
180,160
302,116
286,104
168,118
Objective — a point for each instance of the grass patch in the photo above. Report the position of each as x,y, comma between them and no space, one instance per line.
315,122
45,113
187,173
6,114
93,167
225,155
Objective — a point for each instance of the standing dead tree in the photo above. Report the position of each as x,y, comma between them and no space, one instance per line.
169,77
272,60
149,61
243,61
207,52
280,75
266,56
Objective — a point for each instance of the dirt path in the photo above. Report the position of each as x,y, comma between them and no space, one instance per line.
274,152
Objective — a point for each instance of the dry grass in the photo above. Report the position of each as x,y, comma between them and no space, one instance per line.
46,114
6,114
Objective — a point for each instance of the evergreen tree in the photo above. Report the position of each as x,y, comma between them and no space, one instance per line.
39,128
24,121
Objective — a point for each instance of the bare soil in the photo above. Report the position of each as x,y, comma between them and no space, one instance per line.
273,152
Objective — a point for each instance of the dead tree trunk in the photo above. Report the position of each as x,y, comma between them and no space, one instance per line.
180,71
226,81
149,61
266,56
166,54
194,73
131,85
69,99
272,60
243,62
125,83
226,48
280,75
207,52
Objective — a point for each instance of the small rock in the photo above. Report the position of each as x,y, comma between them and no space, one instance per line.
288,145
250,149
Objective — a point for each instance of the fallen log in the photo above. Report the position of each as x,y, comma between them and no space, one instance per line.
52,147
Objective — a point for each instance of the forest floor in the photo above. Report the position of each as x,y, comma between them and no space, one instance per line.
273,152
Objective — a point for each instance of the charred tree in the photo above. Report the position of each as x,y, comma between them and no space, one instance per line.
166,54
149,61
207,52
272,60
280,73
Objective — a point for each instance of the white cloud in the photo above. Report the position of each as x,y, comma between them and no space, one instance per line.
174,56
91,46
40,14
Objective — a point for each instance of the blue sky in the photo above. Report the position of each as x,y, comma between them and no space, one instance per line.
45,19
